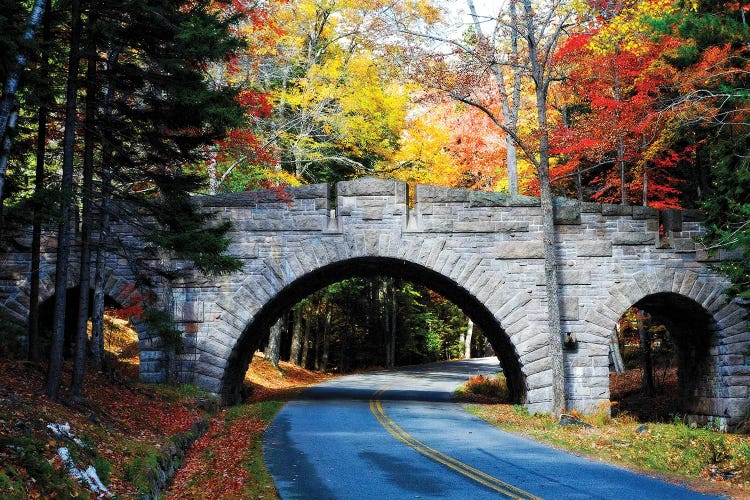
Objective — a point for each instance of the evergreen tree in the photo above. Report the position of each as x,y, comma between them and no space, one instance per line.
157,113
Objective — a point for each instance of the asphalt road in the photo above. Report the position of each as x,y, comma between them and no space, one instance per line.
395,435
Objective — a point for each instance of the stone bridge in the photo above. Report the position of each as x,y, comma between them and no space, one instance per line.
482,251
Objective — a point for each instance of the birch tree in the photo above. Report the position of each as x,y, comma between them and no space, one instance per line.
8,111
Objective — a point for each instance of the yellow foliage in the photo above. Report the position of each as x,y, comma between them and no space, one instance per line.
422,157
629,30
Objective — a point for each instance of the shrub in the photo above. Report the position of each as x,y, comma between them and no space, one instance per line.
490,387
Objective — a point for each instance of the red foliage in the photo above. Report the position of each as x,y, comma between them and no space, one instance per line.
256,103
613,111
133,303
244,142
215,465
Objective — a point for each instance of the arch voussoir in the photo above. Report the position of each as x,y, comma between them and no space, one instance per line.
640,279
435,252
688,281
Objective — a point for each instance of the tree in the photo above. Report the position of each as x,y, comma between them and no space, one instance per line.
157,113
33,353
64,232
8,110
612,137
710,99
542,31
534,31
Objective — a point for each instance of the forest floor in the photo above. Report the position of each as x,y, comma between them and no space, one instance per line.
121,427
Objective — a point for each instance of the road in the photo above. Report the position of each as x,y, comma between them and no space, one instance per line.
395,435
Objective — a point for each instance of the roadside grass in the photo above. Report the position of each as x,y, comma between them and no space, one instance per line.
227,462
705,459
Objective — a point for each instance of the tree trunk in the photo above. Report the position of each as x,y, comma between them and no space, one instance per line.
327,337
614,351
64,231
36,231
97,313
273,351
8,101
467,338
87,191
541,76
621,163
213,179
7,143
394,323
306,337
644,336
548,224
510,101
295,352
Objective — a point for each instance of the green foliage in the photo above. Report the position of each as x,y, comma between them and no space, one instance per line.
10,338
161,323
103,468
371,316
264,410
191,391
33,463
728,209
715,54
139,471
183,229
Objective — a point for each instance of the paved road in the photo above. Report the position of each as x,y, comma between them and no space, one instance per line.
395,435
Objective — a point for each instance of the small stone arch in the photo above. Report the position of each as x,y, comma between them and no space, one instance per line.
117,288
706,392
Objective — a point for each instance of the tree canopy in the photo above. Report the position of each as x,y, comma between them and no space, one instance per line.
148,102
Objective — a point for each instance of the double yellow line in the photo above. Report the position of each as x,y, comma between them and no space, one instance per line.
466,470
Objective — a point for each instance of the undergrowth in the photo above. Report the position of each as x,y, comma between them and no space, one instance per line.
484,389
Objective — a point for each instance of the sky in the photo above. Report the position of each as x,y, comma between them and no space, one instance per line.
459,11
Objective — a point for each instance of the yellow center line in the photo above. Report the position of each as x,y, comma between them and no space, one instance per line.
480,477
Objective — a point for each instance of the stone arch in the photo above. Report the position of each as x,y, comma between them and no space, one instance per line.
700,299
117,288
246,316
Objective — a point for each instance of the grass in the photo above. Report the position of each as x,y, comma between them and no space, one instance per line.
705,459
484,389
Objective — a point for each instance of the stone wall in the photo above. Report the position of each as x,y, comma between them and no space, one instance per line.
482,250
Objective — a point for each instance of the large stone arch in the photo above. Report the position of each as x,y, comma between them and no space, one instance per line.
363,266
721,393
477,284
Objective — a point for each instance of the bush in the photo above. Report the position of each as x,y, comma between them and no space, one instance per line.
11,335
490,387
